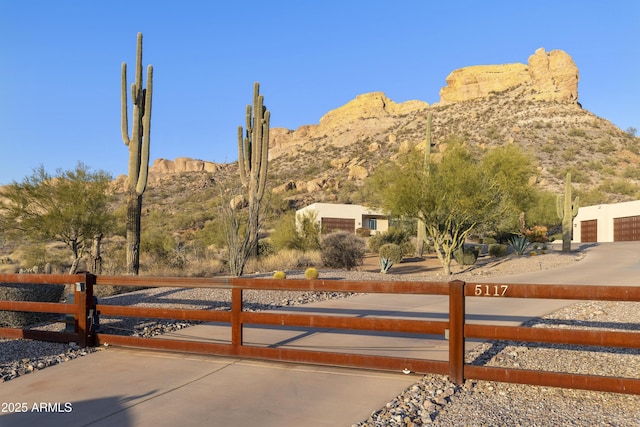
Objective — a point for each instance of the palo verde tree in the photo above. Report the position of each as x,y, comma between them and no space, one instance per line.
459,194
253,159
71,207
138,145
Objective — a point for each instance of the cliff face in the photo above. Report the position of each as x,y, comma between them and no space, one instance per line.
551,76
356,121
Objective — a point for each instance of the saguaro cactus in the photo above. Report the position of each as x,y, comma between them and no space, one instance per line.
138,145
567,210
421,236
253,154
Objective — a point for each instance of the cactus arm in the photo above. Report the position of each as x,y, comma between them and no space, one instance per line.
427,150
575,207
123,107
265,154
143,173
241,151
139,61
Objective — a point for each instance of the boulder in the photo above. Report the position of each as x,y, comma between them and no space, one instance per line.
358,172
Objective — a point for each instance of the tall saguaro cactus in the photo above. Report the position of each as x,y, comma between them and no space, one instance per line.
421,236
253,154
138,145
567,210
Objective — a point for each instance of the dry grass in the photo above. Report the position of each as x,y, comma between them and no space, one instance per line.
284,260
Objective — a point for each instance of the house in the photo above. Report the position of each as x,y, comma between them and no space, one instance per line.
334,216
615,222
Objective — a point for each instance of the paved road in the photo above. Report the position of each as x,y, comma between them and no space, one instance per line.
121,387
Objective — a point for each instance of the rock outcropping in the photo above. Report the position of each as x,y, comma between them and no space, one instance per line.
551,76
370,113
182,164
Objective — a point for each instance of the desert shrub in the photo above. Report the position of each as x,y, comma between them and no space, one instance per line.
27,292
279,275
537,234
497,250
288,259
311,273
580,133
266,248
489,241
397,236
342,250
466,255
389,253
301,233
363,232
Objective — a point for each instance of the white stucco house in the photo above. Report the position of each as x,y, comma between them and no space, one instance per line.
615,222
335,216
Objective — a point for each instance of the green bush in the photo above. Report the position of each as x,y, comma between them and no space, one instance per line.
390,253
342,250
266,248
489,241
394,235
363,232
497,250
311,273
467,255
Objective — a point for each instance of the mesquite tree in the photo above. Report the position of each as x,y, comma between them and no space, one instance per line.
138,145
253,153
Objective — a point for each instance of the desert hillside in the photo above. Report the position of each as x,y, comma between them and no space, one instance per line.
534,105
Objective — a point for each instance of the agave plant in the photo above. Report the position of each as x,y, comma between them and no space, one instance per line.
519,244
390,254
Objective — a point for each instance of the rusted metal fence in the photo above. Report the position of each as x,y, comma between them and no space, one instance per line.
84,307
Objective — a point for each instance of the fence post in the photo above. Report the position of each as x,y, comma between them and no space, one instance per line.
236,324
80,316
85,307
456,331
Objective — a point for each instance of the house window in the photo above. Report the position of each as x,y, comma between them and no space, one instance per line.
372,224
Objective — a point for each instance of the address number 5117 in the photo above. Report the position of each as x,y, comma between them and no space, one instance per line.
490,290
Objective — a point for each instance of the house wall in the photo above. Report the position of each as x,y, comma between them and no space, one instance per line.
605,215
358,213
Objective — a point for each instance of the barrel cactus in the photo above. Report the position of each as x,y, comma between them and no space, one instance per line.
279,275
311,273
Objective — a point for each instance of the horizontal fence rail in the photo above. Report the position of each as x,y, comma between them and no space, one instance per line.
84,309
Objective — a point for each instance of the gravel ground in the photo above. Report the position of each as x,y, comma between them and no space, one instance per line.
432,400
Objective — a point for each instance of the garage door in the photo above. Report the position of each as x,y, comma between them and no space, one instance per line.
589,230
338,224
626,229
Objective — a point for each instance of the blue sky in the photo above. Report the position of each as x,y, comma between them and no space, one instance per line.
60,65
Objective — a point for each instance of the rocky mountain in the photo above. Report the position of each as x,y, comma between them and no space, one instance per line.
534,105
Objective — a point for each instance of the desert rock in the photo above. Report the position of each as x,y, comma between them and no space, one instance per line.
551,76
